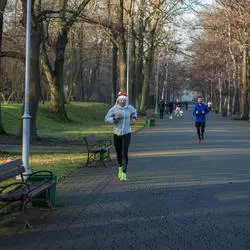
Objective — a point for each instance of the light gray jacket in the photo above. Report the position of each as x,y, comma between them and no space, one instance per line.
121,125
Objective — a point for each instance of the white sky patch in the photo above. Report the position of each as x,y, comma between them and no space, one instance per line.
186,25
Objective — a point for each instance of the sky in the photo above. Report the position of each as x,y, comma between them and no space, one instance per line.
186,21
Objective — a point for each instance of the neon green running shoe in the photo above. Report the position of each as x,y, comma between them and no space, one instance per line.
123,177
120,172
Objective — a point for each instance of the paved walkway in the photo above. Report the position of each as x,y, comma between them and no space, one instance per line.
179,195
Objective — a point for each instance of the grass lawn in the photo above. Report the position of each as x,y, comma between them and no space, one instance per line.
85,118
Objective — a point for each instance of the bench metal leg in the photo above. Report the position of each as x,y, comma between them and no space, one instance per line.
93,159
27,224
50,206
109,157
87,163
103,163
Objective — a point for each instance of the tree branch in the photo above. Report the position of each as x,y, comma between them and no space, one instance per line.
102,23
77,13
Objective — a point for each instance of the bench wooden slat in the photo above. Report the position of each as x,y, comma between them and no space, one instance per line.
94,149
10,165
39,188
32,191
11,174
100,149
15,194
108,147
17,188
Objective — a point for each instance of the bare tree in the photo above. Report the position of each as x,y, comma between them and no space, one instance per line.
2,8
223,45
54,66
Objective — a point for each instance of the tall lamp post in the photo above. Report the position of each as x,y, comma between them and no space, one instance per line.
26,116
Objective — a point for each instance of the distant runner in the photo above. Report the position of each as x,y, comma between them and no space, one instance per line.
170,108
209,105
200,111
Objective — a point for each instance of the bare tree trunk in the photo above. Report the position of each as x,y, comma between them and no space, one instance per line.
149,60
35,87
57,90
48,73
111,10
234,95
81,82
244,94
72,74
122,48
145,87
2,8
234,69
234,83
133,65
220,93
70,87
139,61
114,70
238,82
94,71
122,64
228,94
147,77
88,88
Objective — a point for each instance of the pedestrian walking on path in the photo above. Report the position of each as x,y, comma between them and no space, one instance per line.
162,108
170,108
120,115
209,105
200,111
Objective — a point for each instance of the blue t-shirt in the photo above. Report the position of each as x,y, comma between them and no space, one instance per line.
202,112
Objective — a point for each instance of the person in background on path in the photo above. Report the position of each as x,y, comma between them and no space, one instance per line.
162,108
120,115
209,105
170,108
200,111
178,112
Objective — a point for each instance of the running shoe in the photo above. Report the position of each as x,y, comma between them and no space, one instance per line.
120,172
123,177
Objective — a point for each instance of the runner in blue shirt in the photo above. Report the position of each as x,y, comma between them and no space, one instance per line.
200,111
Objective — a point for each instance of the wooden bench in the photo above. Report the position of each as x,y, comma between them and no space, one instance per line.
96,150
22,191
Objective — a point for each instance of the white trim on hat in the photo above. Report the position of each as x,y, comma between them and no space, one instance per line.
123,97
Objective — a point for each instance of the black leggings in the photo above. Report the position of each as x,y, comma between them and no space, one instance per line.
200,126
161,114
121,146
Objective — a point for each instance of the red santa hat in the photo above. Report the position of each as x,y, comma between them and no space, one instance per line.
122,95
